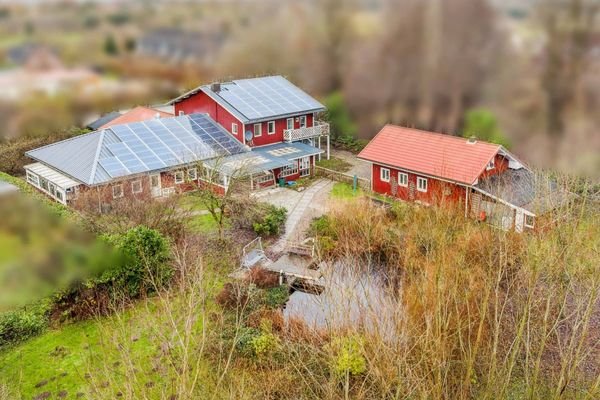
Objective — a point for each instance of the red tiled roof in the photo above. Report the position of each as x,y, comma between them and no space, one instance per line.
136,114
434,154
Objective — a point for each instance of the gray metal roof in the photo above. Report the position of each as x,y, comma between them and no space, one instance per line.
259,99
525,189
103,120
262,159
139,147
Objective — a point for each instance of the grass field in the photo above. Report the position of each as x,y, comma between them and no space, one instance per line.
345,191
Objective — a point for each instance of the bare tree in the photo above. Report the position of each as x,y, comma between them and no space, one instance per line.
568,25
218,191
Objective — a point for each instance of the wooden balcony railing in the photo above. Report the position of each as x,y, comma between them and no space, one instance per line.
293,135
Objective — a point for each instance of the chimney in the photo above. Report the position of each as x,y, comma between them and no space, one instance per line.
215,87
157,116
472,140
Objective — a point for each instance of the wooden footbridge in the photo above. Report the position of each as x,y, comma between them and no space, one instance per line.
296,263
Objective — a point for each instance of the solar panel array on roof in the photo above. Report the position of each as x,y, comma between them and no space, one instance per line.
165,142
259,99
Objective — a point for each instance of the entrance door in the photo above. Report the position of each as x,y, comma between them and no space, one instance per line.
305,166
155,187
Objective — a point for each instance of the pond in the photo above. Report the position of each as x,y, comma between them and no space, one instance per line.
352,297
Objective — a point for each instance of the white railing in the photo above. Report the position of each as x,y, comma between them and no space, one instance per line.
292,135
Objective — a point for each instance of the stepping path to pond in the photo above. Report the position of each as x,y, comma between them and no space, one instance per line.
300,208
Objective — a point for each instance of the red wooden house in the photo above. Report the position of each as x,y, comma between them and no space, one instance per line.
484,178
260,111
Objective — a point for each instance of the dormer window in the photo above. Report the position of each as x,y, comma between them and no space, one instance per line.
491,164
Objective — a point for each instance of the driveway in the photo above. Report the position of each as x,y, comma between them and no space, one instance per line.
302,208
360,168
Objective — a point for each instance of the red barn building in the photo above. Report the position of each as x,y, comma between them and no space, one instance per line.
484,178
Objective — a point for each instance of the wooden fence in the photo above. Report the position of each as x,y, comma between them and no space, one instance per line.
363,183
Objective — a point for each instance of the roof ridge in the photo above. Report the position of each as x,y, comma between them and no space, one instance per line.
64,141
445,135
96,157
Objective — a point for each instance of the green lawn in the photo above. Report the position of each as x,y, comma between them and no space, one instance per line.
344,191
336,164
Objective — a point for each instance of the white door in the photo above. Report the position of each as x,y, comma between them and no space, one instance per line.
155,186
305,166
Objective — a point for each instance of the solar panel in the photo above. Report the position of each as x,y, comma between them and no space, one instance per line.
162,143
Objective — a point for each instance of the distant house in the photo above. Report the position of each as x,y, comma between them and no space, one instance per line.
486,179
180,46
260,111
137,114
263,129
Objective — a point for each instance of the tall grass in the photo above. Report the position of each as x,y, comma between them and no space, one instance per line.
466,312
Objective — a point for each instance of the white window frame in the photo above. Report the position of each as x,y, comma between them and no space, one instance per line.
402,176
117,195
304,166
289,170
176,175
181,112
384,174
420,186
33,178
289,123
491,164
192,174
269,131
303,121
525,216
264,178
234,128
134,184
257,132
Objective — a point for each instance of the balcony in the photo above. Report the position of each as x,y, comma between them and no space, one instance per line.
293,135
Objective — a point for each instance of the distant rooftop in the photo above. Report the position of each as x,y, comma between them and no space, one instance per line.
259,99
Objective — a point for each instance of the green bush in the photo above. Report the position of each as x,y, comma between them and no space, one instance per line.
21,324
146,267
272,222
348,358
277,296
339,116
482,124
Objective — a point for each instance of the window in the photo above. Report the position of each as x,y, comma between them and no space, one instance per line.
303,121
421,184
192,174
117,191
234,128
136,187
53,189
402,179
265,178
44,185
179,178
181,112
384,174
59,195
271,127
288,170
33,179
257,130
529,220
491,165
290,123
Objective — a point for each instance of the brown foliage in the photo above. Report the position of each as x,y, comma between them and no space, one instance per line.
262,278
232,296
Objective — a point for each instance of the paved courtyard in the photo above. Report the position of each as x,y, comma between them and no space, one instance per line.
302,208
360,168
